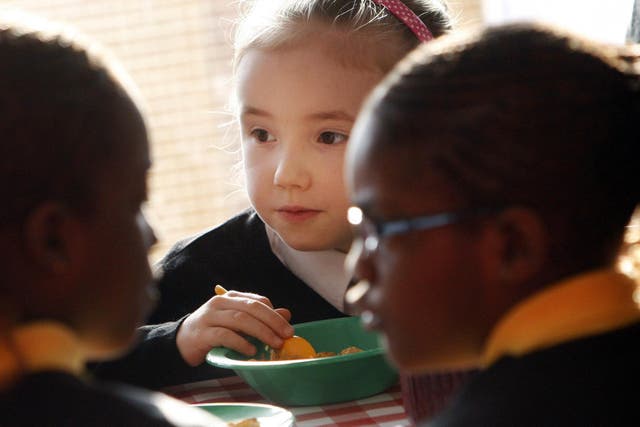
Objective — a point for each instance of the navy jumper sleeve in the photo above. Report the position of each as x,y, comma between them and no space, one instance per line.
236,255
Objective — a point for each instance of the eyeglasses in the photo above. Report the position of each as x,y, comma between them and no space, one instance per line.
373,231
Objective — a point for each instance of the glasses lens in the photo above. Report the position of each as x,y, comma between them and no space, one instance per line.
371,243
363,228
370,235
354,215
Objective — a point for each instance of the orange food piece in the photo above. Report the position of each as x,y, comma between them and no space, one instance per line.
295,348
325,354
350,350
249,422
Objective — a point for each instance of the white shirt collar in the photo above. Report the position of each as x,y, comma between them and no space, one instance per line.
323,271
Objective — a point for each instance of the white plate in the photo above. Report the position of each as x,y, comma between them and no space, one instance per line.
267,415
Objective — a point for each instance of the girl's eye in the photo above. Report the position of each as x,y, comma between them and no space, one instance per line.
262,135
331,138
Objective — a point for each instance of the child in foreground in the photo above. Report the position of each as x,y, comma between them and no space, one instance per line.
493,176
76,282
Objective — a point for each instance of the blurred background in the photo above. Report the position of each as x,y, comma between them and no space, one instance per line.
179,54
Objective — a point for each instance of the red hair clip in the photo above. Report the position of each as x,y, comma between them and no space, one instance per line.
408,18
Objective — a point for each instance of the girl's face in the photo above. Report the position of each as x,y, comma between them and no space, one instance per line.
296,108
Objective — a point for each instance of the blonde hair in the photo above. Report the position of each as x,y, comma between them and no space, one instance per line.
269,24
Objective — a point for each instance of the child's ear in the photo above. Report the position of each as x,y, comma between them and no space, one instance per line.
47,233
524,245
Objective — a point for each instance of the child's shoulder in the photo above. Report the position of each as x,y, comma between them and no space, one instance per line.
239,234
31,402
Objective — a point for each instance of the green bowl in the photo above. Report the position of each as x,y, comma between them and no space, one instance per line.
311,382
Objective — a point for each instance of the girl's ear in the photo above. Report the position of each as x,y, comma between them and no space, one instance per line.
524,247
48,232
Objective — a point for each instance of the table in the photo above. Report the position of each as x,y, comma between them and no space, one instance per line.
384,409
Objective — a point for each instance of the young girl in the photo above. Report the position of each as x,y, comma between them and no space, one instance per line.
494,176
302,71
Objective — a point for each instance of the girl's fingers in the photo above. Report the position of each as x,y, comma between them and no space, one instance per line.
206,328
284,313
240,295
246,323
249,316
216,337
226,319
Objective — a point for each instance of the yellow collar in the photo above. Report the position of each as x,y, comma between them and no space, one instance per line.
39,346
580,306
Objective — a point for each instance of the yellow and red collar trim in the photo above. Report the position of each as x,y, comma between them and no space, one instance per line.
39,346
580,306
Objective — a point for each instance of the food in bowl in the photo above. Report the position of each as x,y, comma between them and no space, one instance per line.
248,422
349,350
316,381
293,348
296,348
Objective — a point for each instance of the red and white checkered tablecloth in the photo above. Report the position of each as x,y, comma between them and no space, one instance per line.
384,409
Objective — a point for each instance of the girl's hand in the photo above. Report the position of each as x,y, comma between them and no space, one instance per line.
224,319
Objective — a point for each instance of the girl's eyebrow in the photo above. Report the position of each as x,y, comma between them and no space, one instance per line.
253,111
320,115
331,115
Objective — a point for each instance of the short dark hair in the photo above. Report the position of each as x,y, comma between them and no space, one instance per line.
63,115
524,115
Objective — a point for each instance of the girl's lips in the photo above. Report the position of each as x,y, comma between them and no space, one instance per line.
297,214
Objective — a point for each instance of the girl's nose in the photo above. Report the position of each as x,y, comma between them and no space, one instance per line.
293,170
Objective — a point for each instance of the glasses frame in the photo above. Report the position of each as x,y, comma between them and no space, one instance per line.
384,229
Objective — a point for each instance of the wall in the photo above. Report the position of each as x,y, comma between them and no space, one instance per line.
178,52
